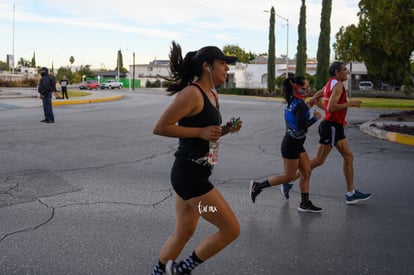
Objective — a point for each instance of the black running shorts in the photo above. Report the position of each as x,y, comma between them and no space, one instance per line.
291,147
190,179
330,132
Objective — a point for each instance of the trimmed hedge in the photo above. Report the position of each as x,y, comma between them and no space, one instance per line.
407,93
29,82
249,92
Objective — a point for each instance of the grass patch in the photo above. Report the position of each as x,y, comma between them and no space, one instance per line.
391,103
77,93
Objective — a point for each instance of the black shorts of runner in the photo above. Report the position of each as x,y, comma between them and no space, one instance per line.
190,179
330,132
291,147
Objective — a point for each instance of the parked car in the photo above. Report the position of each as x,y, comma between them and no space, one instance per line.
89,85
366,85
111,84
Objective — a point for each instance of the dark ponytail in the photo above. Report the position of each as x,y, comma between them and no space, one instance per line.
288,89
182,71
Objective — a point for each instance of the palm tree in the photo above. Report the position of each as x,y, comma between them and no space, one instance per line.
71,60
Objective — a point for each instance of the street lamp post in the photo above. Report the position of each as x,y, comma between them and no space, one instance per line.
14,11
117,61
130,84
287,40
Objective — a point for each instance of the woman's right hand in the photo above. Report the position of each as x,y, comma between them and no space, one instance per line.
211,133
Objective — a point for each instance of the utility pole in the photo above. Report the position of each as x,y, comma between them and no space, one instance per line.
133,71
13,38
117,61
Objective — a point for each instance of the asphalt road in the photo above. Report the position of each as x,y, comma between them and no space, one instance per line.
90,194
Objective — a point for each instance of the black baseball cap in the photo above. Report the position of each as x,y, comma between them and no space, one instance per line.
210,53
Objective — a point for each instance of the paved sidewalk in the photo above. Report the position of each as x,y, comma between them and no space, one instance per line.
373,128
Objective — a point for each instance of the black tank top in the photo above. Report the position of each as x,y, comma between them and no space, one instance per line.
196,147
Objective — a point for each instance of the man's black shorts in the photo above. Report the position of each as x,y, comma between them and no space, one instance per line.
330,132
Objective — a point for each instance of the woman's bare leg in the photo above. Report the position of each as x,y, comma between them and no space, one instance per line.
186,217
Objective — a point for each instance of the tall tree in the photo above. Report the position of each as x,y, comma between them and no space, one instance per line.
301,56
33,63
383,39
65,71
119,61
271,53
242,55
346,43
23,62
323,52
4,66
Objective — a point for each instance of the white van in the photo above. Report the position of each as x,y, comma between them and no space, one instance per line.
366,85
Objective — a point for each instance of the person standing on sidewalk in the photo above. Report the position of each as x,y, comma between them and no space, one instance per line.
194,118
331,129
45,88
298,119
64,84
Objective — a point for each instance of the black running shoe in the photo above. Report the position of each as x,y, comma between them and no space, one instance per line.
285,188
171,268
309,207
254,191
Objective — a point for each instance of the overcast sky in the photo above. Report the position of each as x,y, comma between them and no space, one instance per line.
93,31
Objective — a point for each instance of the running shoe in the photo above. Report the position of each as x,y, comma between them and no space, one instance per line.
285,188
171,268
309,207
357,197
254,191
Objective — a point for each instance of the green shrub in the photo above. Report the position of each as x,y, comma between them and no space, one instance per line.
249,92
28,82
155,84
406,93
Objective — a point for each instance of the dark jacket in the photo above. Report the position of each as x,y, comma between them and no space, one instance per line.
46,83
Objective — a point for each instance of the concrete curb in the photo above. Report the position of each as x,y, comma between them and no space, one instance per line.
386,135
86,101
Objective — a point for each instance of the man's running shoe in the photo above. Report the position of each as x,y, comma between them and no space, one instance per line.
285,188
357,197
171,268
254,190
309,207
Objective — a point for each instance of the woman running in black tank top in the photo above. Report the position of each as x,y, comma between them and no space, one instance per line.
191,170
195,119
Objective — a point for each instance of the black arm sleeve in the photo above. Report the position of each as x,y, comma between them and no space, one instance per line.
302,122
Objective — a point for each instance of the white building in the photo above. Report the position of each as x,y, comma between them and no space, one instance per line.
241,75
255,75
